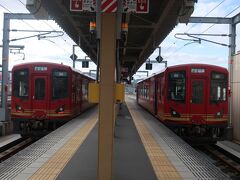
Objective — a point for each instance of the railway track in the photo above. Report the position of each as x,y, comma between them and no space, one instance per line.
14,147
229,163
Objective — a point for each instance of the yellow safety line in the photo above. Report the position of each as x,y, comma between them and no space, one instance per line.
161,164
52,168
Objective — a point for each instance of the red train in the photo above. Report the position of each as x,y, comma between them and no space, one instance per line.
45,95
191,99
9,87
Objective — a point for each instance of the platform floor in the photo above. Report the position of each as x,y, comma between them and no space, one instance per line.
130,160
231,147
143,149
4,140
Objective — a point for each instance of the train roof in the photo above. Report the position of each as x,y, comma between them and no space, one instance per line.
40,63
182,65
196,65
51,64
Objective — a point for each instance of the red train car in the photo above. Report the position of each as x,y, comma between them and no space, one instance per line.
191,99
9,87
46,94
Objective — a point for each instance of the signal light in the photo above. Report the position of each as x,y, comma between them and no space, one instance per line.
92,26
148,66
85,64
124,27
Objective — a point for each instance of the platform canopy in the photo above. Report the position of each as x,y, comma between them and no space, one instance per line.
145,31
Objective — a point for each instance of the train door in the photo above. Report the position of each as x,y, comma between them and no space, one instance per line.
39,97
198,106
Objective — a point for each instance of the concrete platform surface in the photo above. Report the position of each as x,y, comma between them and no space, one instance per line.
231,147
4,140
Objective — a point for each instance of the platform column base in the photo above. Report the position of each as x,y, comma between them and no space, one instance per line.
229,133
4,128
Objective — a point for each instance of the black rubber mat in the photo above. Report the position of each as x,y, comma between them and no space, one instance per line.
130,160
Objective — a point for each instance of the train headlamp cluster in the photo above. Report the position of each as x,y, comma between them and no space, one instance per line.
19,108
60,109
219,114
174,113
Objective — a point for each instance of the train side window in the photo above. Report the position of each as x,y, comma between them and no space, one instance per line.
59,84
218,87
85,89
39,89
145,92
21,83
177,86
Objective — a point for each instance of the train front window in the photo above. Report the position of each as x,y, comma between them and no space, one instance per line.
20,83
218,87
59,84
177,86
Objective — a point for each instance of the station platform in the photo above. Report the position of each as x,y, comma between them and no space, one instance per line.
231,147
143,149
4,140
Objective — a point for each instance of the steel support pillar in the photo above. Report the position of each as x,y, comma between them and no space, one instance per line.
107,95
232,49
5,58
232,42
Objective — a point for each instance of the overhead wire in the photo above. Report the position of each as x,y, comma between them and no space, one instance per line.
224,16
12,13
21,2
215,7
51,28
205,29
5,8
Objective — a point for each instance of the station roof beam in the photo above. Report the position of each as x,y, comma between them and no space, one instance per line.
145,31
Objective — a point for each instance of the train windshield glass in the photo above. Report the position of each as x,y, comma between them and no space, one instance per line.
218,87
177,86
20,83
59,84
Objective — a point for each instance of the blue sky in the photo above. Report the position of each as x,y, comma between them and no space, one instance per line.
173,50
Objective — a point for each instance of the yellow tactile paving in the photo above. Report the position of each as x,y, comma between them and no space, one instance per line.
52,168
161,164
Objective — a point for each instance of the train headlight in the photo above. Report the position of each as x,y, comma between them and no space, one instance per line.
19,108
219,114
60,110
174,113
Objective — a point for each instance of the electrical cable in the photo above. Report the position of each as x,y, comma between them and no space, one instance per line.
29,24
224,16
46,22
214,8
203,31
5,8
12,13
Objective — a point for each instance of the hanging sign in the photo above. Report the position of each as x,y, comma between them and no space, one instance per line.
135,6
83,5
109,6
142,6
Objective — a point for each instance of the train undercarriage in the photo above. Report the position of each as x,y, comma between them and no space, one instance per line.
35,128
200,134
